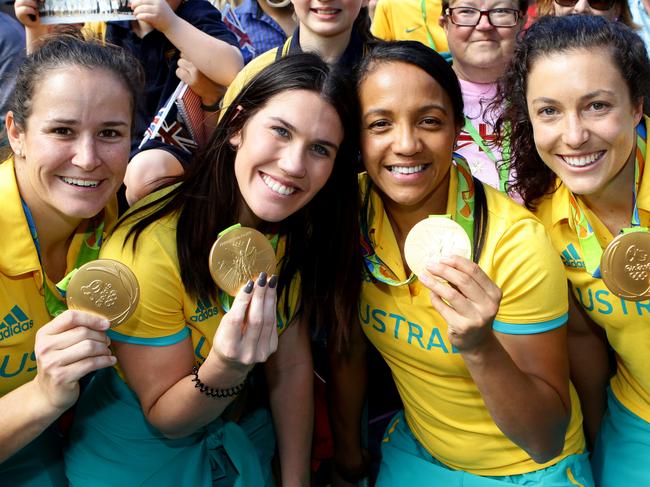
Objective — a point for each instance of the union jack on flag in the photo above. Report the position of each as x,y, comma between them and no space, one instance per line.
231,20
158,120
176,134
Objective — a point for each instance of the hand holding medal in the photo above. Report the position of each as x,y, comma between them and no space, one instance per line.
101,293
240,261
438,251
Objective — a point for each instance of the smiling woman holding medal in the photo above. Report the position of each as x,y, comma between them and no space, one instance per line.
475,338
579,150
69,126
276,183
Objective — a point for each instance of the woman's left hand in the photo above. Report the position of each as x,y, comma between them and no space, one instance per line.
468,302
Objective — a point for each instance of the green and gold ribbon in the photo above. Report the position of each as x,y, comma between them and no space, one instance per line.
88,251
464,216
589,244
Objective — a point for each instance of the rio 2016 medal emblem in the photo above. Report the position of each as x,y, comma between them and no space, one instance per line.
625,266
238,255
432,238
105,287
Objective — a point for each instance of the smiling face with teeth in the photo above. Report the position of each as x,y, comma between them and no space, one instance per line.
285,154
327,18
75,144
407,136
584,125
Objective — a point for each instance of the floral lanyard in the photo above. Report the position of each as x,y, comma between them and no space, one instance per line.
588,241
503,169
88,251
464,216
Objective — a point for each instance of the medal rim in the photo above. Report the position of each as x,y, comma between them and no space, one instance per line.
611,281
435,224
123,274
213,256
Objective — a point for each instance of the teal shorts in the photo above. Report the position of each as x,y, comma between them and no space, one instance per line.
622,454
112,444
39,464
406,462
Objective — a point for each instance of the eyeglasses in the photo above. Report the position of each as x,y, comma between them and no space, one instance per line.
470,17
595,4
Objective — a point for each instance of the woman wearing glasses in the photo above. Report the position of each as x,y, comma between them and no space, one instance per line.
617,10
481,37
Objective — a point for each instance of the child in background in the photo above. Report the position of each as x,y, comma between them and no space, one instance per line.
339,35
267,23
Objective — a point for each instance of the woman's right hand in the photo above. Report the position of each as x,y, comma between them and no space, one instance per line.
26,12
247,333
70,346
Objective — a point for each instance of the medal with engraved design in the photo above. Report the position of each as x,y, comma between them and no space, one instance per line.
433,238
238,255
625,266
105,287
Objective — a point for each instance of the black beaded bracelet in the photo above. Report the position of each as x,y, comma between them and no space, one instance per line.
212,392
211,108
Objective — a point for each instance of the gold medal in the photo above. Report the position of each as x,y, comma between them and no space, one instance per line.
625,266
238,255
105,287
433,238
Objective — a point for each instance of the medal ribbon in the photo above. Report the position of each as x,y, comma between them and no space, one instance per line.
464,216
423,8
225,299
588,241
503,169
88,251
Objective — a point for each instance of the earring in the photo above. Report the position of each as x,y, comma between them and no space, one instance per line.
19,153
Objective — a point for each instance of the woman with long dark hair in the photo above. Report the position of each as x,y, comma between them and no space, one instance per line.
279,162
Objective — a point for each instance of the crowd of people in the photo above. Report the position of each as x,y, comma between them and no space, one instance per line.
333,129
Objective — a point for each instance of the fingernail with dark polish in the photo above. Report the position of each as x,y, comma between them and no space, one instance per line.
261,282
249,287
273,281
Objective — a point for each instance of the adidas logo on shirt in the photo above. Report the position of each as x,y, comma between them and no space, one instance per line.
571,258
204,310
14,323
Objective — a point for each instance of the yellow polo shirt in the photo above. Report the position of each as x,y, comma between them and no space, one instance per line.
443,407
627,323
166,313
402,20
22,303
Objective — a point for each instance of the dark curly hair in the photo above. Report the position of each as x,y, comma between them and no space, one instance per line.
533,179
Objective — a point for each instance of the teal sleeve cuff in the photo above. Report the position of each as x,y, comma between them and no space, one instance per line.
153,341
529,328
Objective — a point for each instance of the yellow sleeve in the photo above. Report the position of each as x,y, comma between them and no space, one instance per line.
381,25
532,279
159,318
244,76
